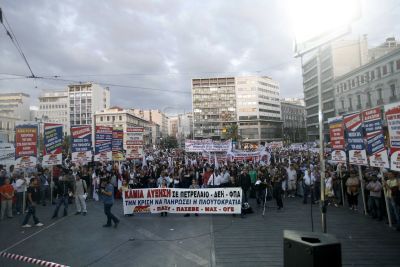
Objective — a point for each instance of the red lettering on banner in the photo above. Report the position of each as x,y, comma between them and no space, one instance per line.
187,208
134,194
227,209
157,193
210,208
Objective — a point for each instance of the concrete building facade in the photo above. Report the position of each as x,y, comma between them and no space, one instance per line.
294,122
250,103
53,107
336,59
374,84
15,105
156,116
84,100
124,118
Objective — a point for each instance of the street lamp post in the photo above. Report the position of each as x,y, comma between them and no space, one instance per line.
316,26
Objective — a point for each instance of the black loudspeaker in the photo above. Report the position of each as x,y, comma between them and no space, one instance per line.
309,249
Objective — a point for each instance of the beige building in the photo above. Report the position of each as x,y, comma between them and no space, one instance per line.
15,105
156,116
371,85
336,59
173,126
125,118
53,107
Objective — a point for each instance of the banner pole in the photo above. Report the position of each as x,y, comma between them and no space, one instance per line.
362,188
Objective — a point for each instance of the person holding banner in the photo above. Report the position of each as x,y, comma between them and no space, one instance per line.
392,187
353,189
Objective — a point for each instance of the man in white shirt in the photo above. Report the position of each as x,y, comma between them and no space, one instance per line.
225,176
308,182
215,179
292,177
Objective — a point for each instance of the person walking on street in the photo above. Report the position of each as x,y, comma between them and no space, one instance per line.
107,194
80,198
33,198
20,188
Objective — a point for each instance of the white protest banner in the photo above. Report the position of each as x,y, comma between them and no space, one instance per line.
134,142
7,154
207,146
178,200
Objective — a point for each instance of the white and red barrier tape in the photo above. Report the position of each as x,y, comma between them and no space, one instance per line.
30,260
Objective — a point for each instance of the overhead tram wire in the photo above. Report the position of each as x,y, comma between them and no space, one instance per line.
14,40
116,85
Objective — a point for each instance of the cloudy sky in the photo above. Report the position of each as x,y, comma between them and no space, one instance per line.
154,48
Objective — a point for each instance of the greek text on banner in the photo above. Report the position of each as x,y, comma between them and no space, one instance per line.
179,200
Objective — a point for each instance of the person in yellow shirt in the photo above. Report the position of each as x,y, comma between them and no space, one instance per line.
392,187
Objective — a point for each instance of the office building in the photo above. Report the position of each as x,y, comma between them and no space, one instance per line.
53,107
336,59
84,100
374,84
15,105
249,104
294,121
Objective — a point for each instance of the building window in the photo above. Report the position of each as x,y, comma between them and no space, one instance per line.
101,118
393,90
398,64
378,74
353,83
350,103
362,78
379,93
342,104
120,118
384,70
369,97
372,75
108,118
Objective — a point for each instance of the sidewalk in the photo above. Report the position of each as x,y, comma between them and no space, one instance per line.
258,241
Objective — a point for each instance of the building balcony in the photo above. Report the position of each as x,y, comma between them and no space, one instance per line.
379,102
359,107
393,98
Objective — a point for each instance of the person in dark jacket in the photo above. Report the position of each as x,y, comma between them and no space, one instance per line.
64,189
245,183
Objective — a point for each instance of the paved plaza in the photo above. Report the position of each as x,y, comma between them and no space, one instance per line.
219,240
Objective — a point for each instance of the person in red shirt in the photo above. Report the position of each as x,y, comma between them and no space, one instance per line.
7,194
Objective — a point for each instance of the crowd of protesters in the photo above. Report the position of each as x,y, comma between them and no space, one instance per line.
287,174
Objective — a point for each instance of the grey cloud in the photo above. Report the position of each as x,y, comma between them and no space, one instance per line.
165,43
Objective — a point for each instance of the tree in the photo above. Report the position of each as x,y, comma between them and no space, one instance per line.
231,132
169,142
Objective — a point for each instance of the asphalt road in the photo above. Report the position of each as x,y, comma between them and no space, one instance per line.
219,240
